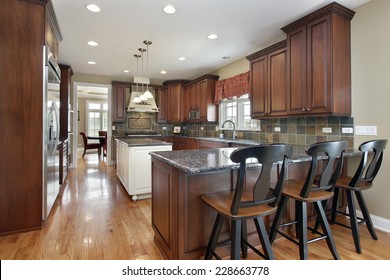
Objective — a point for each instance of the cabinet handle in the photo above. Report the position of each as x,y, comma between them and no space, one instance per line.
303,109
308,109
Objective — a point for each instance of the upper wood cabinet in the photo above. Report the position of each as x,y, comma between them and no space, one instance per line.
200,99
268,78
118,102
175,100
161,99
52,31
319,62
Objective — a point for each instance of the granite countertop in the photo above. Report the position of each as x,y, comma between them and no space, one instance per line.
198,161
139,141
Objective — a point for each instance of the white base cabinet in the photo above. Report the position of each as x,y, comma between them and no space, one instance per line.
134,168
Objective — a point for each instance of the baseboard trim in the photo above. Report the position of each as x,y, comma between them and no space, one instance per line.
378,222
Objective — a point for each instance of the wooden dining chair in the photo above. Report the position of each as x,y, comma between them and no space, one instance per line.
104,145
239,205
90,146
311,191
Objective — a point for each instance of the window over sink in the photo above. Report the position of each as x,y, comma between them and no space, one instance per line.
238,110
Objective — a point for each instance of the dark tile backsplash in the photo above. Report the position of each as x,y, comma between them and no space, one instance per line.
305,130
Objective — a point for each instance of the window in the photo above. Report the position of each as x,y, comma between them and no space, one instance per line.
96,117
238,110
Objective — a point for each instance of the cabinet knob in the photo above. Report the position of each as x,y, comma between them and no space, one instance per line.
308,109
303,109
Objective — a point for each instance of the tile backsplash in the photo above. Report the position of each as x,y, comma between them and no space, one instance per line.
304,130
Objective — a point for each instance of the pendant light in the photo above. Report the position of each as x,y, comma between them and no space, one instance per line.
142,50
137,99
147,93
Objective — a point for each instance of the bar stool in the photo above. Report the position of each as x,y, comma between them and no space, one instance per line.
362,180
304,192
239,205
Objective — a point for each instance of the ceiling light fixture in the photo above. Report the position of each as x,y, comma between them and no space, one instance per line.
169,9
91,62
182,58
126,71
163,72
136,98
93,8
93,43
212,36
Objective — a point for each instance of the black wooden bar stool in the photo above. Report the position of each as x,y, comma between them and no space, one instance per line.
239,205
304,192
362,180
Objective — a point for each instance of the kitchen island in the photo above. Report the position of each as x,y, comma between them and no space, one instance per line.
133,164
181,222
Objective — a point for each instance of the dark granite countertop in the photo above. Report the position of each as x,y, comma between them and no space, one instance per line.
139,141
198,161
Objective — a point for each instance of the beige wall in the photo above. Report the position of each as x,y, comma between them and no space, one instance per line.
371,89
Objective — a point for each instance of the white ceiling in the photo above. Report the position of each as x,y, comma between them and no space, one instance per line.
243,27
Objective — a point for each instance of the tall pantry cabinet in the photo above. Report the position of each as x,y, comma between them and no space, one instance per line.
22,37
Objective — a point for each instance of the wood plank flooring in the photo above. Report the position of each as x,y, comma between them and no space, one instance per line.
94,219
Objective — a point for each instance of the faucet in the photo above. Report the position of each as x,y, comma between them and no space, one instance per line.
234,127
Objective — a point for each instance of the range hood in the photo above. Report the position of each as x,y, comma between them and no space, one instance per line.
147,106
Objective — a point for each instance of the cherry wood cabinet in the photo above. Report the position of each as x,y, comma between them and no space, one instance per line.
175,100
22,37
119,102
268,81
319,62
204,144
161,99
66,74
192,144
200,96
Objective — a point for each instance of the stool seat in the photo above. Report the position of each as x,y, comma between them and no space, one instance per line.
221,202
344,181
293,188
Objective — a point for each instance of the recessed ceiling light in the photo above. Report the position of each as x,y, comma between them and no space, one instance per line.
91,62
169,9
182,58
226,57
93,8
212,36
93,43
126,71
163,72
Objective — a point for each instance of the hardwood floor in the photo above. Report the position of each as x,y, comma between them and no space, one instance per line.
94,219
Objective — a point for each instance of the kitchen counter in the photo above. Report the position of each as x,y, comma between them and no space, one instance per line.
197,161
141,141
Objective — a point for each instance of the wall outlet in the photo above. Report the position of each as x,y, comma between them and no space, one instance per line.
327,130
366,130
347,130
164,128
277,129
113,127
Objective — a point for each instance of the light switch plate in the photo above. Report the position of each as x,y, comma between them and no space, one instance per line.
277,129
327,130
366,130
347,130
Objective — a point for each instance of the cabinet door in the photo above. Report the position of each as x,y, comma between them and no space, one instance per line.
162,96
296,71
119,103
258,86
319,66
186,103
277,83
175,102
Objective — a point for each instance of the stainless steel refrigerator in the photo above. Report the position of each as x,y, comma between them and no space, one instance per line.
51,130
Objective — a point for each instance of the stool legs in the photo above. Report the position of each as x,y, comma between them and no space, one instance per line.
366,214
262,232
278,218
214,237
301,229
326,229
353,220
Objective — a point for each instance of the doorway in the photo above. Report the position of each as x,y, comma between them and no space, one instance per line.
92,112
